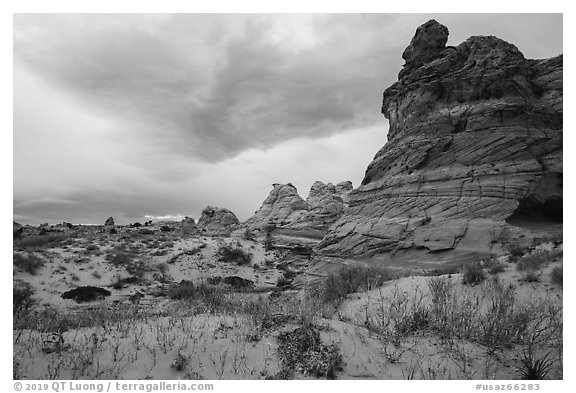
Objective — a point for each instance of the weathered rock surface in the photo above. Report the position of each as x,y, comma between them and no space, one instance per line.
327,204
286,209
475,139
216,221
281,207
188,225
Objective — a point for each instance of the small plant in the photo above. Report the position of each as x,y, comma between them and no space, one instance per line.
302,350
180,363
248,235
22,300
532,368
473,274
29,263
493,266
163,270
557,275
531,262
516,252
530,276
350,279
231,254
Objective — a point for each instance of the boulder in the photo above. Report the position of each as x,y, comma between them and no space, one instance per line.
188,225
216,221
475,140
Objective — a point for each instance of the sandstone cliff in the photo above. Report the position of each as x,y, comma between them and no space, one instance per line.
474,145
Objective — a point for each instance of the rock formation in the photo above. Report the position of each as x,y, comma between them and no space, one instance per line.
216,221
109,222
188,225
286,209
327,204
474,148
281,207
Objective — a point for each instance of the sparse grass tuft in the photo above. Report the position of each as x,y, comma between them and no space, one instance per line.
473,274
493,266
350,279
532,368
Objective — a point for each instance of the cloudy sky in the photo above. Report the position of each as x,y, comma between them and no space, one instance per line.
152,115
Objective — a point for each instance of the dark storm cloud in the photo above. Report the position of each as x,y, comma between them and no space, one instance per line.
211,90
152,114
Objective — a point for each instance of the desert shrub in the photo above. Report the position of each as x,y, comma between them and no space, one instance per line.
92,247
22,300
163,272
248,235
452,313
398,315
504,321
120,282
232,254
557,275
530,276
119,258
233,281
268,242
47,240
181,362
86,294
532,368
301,350
283,282
350,279
493,266
473,274
532,262
29,263
516,252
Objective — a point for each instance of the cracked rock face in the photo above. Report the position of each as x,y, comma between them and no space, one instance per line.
216,221
475,138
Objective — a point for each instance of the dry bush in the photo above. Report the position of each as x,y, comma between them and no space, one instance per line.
350,279
232,254
29,263
557,275
41,241
302,350
473,274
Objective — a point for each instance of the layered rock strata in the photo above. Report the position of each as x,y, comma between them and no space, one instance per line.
284,208
475,140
